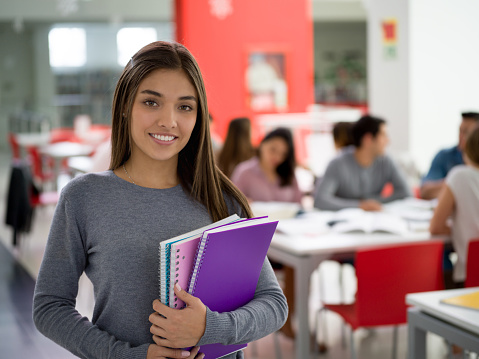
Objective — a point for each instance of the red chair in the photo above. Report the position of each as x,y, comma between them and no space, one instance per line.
42,168
385,275
14,146
62,134
472,266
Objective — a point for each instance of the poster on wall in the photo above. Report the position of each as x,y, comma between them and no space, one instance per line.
389,32
266,80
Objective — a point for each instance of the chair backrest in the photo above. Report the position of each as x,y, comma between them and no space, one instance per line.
472,266
385,275
14,145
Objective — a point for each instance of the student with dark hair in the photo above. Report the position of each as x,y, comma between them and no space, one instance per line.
459,199
447,158
271,175
162,182
237,147
342,135
356,178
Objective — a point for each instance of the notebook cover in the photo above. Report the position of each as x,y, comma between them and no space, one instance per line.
182,261
228,275
164,250
469,300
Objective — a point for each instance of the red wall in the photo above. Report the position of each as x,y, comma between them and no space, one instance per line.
221,47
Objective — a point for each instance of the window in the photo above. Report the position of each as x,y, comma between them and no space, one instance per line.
67,47
130,39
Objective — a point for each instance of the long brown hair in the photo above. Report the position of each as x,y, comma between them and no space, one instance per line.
197,171
237,146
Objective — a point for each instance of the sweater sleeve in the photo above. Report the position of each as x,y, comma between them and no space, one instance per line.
55,294
265,314
398,180
325,197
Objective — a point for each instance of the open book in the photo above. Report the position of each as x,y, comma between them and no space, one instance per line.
357,220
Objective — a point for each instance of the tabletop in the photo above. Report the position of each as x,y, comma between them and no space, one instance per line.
67,149
429,302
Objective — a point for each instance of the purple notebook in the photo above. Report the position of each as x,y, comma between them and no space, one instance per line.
227,269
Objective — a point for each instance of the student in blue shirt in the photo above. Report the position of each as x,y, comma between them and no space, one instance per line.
447,158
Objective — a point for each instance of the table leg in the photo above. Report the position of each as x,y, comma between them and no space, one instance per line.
416,337
303,268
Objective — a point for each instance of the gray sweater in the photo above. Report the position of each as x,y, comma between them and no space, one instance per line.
346,182
111,229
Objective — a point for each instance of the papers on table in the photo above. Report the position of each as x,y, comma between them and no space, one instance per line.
399,217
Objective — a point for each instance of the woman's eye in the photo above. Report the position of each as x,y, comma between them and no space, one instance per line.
186,108
150,103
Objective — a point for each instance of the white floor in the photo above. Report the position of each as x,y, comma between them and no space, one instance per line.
372,344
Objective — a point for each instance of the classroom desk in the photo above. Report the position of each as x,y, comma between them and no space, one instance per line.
61,150
458,325
305,252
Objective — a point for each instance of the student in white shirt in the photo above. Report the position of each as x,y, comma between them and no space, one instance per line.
459,199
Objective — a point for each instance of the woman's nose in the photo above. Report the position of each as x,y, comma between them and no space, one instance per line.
167,118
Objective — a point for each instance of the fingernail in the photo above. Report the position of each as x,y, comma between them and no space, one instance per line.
202,356
185,353
178,288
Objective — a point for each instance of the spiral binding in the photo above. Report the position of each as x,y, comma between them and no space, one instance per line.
164,273
198,263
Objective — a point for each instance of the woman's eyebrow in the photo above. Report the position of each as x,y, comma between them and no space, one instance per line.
181,98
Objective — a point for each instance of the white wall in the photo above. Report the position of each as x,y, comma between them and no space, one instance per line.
444,72
434,77
388,79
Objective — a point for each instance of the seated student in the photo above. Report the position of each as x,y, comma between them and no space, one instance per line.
356,178
342,135
459,198
237,147
447,158
270,175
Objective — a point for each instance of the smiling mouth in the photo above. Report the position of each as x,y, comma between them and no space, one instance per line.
162,137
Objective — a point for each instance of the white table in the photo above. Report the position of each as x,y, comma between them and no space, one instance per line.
458,325
305,252
61,150
36,139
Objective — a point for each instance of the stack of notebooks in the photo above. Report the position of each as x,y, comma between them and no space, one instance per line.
219,263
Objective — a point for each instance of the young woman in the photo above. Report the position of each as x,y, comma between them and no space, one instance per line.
459,199
237,147
270,176
162,182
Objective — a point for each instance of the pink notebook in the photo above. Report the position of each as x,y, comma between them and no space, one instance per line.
182,261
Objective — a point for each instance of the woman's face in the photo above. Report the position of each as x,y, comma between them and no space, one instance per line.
273,152
163,116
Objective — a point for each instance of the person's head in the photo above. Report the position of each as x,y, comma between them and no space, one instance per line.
342,135
468,123
276,152
237,146
471,148
370,133
155,58
195,163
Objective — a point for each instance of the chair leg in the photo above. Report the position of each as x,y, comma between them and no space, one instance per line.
320,317
343,335
353,348
395,342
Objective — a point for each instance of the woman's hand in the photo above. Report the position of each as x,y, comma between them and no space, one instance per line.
158,352
173,328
